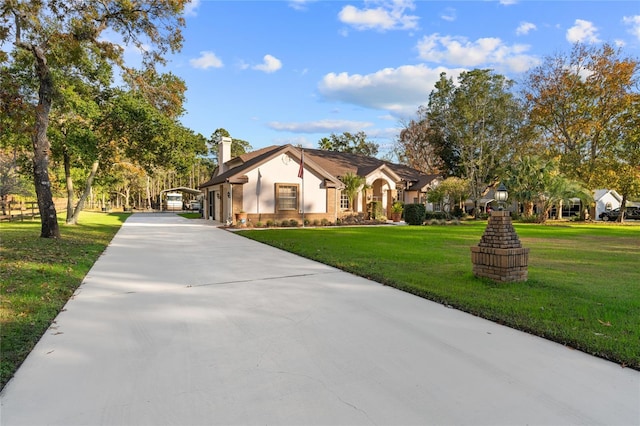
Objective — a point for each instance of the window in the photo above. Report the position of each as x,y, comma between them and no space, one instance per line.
344,201
287,196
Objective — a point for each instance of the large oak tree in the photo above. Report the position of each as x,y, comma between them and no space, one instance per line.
57,33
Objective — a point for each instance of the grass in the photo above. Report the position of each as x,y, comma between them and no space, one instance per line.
191,215
583,289
38,276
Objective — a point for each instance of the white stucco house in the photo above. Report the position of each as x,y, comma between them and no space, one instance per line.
276,183
606,199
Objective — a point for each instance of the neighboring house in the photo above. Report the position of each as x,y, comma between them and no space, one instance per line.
272,184
609,199
605,200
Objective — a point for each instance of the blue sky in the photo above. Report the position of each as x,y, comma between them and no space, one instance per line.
276,72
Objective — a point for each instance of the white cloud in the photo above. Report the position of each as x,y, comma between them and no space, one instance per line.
321,126
449,14
634,23
508,2
388,15
488,51
399,91
190,9
619,43
525,27
583,32
270,64
206,60
300,4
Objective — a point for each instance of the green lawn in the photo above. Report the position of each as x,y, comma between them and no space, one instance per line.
584,279
38,275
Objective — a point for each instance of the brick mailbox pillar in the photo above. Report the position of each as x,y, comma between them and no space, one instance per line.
499,255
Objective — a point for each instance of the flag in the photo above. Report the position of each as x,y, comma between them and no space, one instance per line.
301,170
259,183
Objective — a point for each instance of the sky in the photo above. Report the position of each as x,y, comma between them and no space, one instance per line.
278,72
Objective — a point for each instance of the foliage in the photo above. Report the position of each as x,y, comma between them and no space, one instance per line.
59,39
397,207
352,185
480,124
417,145
451,193
415,214
348,142
238,146
569,298
579,103
526,178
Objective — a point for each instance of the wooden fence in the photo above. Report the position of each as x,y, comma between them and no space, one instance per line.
21,210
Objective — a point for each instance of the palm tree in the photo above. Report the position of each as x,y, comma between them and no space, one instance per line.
560,190
352,185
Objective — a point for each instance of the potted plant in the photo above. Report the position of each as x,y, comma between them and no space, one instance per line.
241,218
396,211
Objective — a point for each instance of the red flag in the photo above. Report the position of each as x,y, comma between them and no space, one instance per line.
301,170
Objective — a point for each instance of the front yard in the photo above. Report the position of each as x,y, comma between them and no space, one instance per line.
583,289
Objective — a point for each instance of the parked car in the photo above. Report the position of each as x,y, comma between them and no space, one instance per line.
195,205
631,213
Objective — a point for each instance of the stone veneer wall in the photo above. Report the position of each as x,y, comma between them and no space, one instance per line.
499,255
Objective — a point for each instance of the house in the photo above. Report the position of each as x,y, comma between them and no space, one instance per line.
605,200
609,199
286,182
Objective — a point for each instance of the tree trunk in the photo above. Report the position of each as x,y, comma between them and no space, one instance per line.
70,192
85,193
528,208
41,147
623,209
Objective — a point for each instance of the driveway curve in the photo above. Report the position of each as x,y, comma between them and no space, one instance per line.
182,323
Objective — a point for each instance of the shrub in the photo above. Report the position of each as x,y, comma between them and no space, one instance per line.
259,224
270,223
457,212
284,223
316,222
414,214
306,222
325,222
293,223
375,210
435,215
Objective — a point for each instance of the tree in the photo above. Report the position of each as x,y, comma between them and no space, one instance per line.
451,193
352,185
347,142
578,102
525,178
417,145
560,190
238,146
58,33
480,122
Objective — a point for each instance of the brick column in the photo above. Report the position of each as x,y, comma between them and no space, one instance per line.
499,255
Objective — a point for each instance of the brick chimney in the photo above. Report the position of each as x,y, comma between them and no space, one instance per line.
224,153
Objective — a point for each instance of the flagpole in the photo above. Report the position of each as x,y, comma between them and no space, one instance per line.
301,175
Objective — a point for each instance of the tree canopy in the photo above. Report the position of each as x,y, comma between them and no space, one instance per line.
347,142
61,37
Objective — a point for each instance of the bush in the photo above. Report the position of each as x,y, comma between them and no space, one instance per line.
284,223
457,212
306,222
415,214
270,223
435,215
316,222
293,223
325,222
375,210
259,224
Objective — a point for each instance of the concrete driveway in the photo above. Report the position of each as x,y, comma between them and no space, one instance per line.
181,323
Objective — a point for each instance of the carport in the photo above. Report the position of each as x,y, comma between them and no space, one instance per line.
184,189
